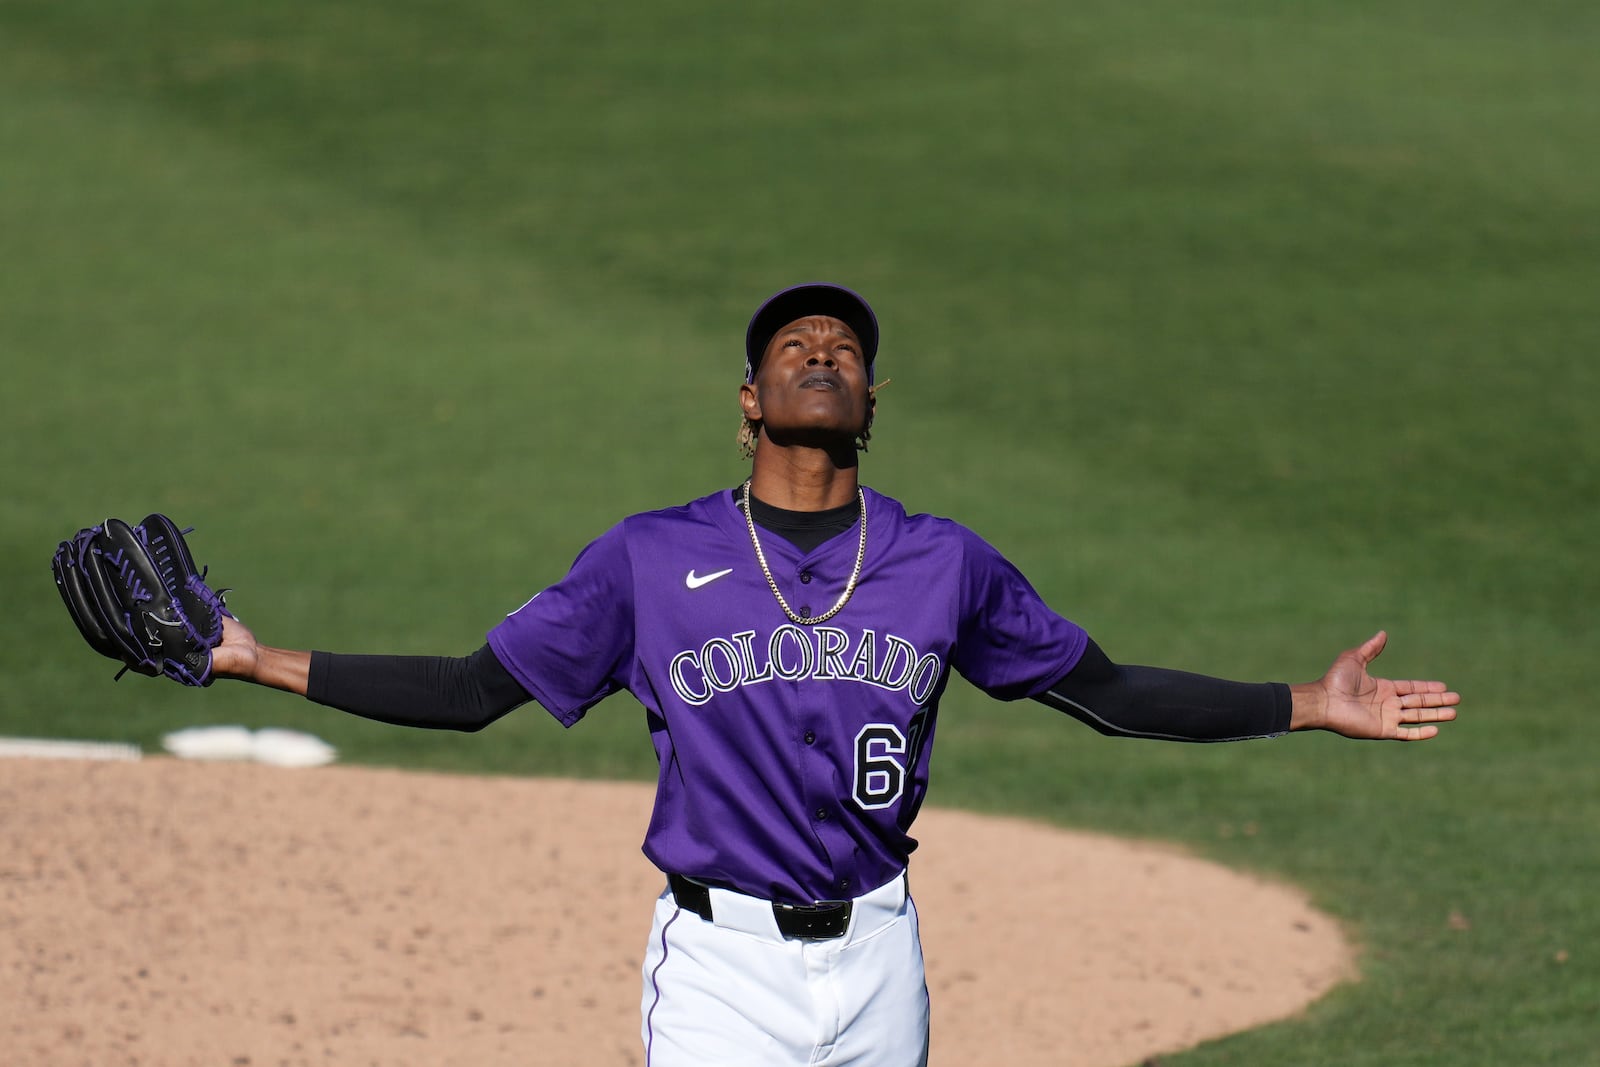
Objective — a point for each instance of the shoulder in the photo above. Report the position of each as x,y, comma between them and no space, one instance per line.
644,541
710,509
652,538
934,529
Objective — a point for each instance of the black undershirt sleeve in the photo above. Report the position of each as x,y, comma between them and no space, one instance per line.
435,692
1124,701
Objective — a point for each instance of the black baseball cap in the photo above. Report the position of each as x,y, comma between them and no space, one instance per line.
812,298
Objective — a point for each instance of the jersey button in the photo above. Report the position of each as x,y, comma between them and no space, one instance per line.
811,737
805,577
805,611
844,885
822,814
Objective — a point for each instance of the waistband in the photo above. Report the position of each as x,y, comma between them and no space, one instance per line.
822,921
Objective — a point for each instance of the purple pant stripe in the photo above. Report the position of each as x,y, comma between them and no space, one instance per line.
649,1019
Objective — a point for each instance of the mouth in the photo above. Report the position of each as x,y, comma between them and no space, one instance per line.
821,380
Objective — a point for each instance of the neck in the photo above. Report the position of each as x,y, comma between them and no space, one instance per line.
798,479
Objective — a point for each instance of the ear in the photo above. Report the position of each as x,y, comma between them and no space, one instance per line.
750,402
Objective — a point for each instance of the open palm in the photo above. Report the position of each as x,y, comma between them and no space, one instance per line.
1355,704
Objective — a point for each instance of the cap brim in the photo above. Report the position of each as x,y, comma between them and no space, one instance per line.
813,298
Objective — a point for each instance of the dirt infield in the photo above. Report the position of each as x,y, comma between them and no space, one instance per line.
169,912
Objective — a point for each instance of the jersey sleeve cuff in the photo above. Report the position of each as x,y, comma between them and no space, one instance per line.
565,714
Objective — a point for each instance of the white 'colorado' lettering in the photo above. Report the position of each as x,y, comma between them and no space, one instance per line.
792,653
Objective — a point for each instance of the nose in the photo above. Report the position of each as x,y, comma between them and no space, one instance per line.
824,359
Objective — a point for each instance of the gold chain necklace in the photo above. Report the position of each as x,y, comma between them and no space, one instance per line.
850,586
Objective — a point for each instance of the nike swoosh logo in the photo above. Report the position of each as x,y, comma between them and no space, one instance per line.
695,581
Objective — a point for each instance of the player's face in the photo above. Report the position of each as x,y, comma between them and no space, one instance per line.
811,387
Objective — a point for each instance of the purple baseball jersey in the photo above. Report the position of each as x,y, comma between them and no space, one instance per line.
793,758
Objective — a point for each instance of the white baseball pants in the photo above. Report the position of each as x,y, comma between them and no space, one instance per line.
734,991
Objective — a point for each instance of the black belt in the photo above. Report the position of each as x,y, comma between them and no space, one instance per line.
809,922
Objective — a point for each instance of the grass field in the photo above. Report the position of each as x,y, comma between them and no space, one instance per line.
1245,329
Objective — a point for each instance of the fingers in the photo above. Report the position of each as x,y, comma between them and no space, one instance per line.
1407,687
1424,695
1433,705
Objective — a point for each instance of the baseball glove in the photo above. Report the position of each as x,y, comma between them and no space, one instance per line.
137,597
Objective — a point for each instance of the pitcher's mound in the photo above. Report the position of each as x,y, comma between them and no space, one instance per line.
173,913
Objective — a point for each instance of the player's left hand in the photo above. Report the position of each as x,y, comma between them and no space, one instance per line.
1349,701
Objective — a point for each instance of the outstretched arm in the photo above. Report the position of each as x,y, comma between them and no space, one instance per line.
1122,700
1152,702
434,692
1350,702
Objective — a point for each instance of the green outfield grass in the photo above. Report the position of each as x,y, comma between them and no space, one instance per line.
1245,329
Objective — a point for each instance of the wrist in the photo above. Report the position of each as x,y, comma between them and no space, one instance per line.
275,668
1308,706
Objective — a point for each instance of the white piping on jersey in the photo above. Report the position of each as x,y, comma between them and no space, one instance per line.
525,603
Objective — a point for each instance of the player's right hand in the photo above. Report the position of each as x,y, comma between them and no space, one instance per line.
238,655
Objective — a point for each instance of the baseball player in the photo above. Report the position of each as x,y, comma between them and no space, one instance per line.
790,639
